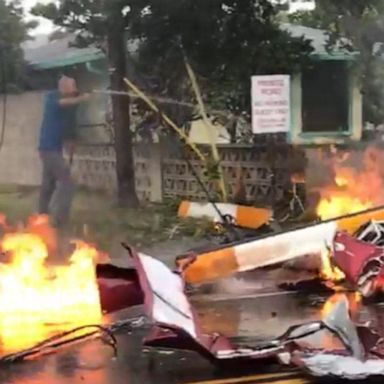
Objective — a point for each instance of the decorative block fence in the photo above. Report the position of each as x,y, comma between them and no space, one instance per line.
162,172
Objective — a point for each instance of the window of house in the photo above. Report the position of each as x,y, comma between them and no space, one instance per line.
325,98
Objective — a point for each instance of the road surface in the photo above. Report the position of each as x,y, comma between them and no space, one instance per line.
247,320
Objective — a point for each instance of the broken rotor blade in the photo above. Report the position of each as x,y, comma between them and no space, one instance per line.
272,249
258,253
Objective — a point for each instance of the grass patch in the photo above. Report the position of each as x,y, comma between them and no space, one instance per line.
98,219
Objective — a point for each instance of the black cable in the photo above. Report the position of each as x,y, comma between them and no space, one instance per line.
74,330
57,341
194,172
200,181
226,222
53,343
203,187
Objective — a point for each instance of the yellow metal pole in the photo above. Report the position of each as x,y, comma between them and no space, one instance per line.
208,124
153,106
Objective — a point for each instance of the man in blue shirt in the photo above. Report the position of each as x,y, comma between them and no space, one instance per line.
57,130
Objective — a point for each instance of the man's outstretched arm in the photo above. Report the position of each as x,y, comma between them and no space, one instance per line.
68,101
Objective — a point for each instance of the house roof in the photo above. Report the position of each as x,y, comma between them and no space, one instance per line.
319,39
60,53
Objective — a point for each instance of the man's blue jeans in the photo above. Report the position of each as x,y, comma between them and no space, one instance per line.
57,188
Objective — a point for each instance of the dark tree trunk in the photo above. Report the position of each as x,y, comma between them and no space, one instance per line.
121,118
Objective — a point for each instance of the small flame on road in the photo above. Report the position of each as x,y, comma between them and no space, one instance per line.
328,271
34,294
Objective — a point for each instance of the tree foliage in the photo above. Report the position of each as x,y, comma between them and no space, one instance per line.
13,32
88,19
104,23
226,42
355,25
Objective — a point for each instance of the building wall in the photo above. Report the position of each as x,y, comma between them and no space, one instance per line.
19,160
161,170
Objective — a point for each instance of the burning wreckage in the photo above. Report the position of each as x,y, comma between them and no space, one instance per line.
176,326
353,250
348,248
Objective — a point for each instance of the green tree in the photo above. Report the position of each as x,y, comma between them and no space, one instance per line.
104,23
13,32
226,42
356,26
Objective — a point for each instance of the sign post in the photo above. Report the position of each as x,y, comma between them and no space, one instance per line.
271,110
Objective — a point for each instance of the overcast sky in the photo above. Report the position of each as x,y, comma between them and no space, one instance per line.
45,26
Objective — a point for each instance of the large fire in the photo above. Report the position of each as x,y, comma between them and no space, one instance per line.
34,294
358,185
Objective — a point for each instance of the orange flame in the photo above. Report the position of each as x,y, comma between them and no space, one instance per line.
330,342
328,270
330,208
33,294
354,300
355,189
341,181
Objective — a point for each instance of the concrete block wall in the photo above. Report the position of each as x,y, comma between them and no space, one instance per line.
94,165
19,159
161,170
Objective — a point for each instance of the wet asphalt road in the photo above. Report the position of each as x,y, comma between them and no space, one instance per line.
248,320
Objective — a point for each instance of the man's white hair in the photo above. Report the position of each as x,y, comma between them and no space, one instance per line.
65,80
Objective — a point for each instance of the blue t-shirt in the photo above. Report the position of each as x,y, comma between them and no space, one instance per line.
58,123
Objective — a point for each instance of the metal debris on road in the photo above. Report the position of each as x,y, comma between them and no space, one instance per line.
362,263
176,326
272,249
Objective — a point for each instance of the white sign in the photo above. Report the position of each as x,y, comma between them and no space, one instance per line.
271,104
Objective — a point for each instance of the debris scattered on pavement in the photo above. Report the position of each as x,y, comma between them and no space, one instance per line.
175,325
362,263
272,249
